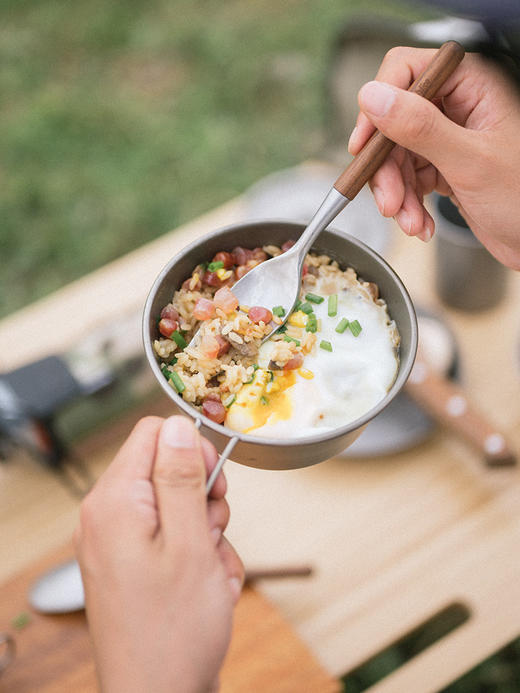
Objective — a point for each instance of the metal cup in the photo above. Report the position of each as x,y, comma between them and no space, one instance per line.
270,453
467,276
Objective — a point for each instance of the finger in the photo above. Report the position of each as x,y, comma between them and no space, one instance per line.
414,123
210,454
402,65
135,457
179,478
218,518
233,567
361,133
388,187
426,234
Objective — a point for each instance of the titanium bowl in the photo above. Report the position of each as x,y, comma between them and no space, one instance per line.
270,453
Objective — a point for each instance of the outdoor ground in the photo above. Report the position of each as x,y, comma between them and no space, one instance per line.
122,120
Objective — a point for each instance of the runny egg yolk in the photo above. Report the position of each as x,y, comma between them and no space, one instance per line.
262,401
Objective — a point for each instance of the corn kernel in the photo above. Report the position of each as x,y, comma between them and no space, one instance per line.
223,274
277,320
306,373
245,309
298,319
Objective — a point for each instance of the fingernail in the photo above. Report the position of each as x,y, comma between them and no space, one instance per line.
426,234
236,586
178,432
216,533
403,219
379,195
352,138
377,98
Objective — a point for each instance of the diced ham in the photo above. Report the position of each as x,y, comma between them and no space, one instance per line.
225,258
295,362
167,327
211,279
287,245
226,300
258,254
224,345
204,309
259,314
209,346
241,255
214,410
170,312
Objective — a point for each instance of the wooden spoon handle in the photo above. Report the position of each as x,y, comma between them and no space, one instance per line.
450,405
378,147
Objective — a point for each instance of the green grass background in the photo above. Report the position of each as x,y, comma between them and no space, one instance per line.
121,120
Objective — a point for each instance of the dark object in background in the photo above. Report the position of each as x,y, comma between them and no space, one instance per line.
30,398
467,276
501,23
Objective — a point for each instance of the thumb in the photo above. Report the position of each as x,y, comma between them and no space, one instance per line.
415,123
178,477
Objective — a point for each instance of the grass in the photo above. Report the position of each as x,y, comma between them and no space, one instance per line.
122,120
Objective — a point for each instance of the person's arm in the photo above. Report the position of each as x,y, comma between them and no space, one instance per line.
160,579
465,145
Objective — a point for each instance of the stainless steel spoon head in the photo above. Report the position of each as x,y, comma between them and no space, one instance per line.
58,591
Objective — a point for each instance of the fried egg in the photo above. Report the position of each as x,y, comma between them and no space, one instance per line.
331,388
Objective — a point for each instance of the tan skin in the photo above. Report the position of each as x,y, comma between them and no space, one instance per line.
160,579
465,145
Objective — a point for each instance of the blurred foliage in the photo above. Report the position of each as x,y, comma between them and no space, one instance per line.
122,120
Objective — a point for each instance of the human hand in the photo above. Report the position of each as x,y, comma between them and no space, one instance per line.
465,144
160,579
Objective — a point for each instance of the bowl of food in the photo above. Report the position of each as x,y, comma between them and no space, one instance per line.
306,393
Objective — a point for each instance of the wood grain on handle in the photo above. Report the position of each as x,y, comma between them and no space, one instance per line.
448,404
378,147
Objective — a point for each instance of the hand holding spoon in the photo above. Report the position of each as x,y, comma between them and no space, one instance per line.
278,281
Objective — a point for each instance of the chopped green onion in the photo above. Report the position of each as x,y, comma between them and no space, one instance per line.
297,305
342,325
325,345
313,298
271,376
312,323
307,308
248,382
333,305
291,339
264,400
179,339
177,381
21,620
229,401
279,311
172,361
255,366
214,266
355,327
282,329
166,372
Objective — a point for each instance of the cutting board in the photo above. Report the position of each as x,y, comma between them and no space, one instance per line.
53,653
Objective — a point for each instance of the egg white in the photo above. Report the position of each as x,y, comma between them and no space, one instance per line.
340,386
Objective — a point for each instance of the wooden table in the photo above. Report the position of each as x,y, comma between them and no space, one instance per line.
393,540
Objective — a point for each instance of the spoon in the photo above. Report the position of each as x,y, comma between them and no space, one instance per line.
278,280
